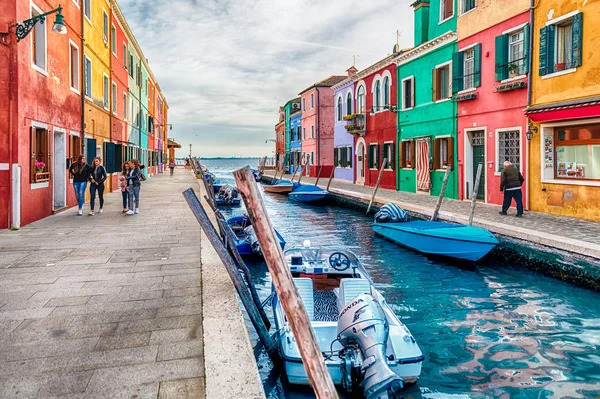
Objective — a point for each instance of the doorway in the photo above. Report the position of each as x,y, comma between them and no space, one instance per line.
423,176
360,166
474,155
59,169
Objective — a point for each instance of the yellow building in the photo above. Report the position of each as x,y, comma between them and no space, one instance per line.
97,77
565,109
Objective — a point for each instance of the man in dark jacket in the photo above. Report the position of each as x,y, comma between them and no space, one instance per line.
511,181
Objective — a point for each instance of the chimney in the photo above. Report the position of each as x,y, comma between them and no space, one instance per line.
351,71
421,9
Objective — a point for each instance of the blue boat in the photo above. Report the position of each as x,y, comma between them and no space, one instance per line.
433,238
308,193
227,196
246,241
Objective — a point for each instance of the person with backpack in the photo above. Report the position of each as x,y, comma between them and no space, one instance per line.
97,177
134,184
80,171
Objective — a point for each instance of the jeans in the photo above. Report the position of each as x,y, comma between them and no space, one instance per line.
125,195
80,192
134,194
93,189
508,197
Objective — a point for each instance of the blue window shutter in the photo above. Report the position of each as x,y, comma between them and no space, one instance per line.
477,69
501,57
457,72
526,44
577,40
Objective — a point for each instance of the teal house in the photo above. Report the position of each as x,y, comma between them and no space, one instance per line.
291,107
426,111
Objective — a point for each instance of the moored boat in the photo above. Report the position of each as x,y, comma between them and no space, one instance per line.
280,187
366,348
308,193
227,196
246,241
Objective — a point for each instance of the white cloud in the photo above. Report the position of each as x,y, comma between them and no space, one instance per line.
226,66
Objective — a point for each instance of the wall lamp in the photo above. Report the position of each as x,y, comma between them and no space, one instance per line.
531,131
24,27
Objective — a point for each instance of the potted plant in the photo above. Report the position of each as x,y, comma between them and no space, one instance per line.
347,164
40,166
560,66
513,70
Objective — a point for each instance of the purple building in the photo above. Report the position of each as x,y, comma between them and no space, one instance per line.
343,142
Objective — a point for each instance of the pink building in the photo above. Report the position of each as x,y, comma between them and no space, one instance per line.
317,106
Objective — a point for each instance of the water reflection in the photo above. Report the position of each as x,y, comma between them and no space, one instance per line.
489,330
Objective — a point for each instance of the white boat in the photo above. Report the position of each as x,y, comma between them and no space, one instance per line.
365,347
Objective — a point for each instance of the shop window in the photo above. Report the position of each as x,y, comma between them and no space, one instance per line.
577,152
388,153
446,9
408,154
374,156
74,66
512,59
443,152
74,147
509,148
466,69
39,168
560,45
467,5
38,42
441,83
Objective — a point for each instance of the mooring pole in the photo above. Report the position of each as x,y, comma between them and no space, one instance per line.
232,270
474,194
287,293
330,178
296,169
319,174
209,190
438,204
383,165
302,170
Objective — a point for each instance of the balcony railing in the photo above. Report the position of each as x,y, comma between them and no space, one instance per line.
356,124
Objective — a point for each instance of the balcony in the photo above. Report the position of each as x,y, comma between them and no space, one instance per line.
356,125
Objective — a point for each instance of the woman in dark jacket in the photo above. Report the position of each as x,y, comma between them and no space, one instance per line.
80,171
97,178
133,186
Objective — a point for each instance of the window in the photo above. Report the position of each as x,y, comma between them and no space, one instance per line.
304,104
360,100
560,45
38,42
125,106
408,154
304,133
114,98
125,56
509,148
113,40
312,100
512,59
516,53
74,147
87,9
312,158
87,63
377,95
386,91
467,5
446,9
105,26
388,153
469,69
130,65
342,157
150,124
337,162
39,168
577,152
348,158
298,133
441,83
443,152
349,104
106,93
408,93
373,156
339,109
466,69
312,132
74,66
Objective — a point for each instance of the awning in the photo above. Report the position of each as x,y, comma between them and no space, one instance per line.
173,144
565,110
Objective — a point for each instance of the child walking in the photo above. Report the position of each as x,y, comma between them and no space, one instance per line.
97,178
80,171
123,185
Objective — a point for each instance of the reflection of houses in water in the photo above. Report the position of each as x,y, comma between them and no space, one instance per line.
518,345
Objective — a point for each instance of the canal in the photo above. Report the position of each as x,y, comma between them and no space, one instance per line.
487,330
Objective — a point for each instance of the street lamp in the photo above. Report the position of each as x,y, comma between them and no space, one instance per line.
24,27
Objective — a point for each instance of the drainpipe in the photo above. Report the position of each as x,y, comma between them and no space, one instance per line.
82,81
318,127
529,75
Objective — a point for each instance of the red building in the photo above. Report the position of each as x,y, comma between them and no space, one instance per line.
39,75
374,123
280,137
492,82
317,105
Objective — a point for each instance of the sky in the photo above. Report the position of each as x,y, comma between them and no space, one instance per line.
225,66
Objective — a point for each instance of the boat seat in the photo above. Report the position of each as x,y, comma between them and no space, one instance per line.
305,289
350,288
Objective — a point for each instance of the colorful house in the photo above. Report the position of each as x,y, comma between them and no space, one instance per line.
564,159
135,83
295,142
280,137
374,123
490,84
343,142
427,122
290,107
317,121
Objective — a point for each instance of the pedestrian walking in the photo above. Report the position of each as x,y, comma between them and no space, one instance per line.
134,185
97,178
511,181
80,171
172,165
123,185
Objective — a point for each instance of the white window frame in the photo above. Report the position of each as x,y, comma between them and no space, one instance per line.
471,51
449,64
412,84
113,38
89,19
91,76
497,146
441,18
376,98
462,11
303,104
125,56
125,105
78,77
376,155
388,75
349,94
106,37
357,108
339,109
389,160
113,93
43,71
76,2
105,91
312,100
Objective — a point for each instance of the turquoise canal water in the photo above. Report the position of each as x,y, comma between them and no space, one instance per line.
492,330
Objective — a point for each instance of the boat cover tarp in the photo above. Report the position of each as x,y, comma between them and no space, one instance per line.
391,213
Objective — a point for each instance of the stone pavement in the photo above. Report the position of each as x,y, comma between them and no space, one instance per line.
107,306
562,232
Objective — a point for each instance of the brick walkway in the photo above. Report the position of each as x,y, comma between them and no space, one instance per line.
107,306
575,235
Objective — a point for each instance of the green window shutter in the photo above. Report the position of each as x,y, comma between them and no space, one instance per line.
457,72
90,151
477,69
577,40
119,157
526,44
501,57
547,50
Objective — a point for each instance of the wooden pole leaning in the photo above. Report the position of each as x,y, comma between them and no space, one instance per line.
383,165
474,194
330,178
230,266
284,285
296,169
319,174
438,204
302,170
209,190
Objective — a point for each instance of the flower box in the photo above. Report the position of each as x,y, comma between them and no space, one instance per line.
41,177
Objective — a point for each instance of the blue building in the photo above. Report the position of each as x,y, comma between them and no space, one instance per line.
295,140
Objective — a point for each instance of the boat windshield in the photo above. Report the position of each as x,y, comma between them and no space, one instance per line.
316,257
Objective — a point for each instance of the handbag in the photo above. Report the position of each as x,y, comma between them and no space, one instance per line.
142,176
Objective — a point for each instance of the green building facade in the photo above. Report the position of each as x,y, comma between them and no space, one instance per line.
426,109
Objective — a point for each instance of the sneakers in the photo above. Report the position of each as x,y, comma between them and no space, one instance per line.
519,215
503,213
100,211
79,212
129,212
91,213
137,210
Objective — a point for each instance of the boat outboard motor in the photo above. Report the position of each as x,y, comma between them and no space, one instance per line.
363,323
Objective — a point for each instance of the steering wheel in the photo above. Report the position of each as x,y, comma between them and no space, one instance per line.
339,261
